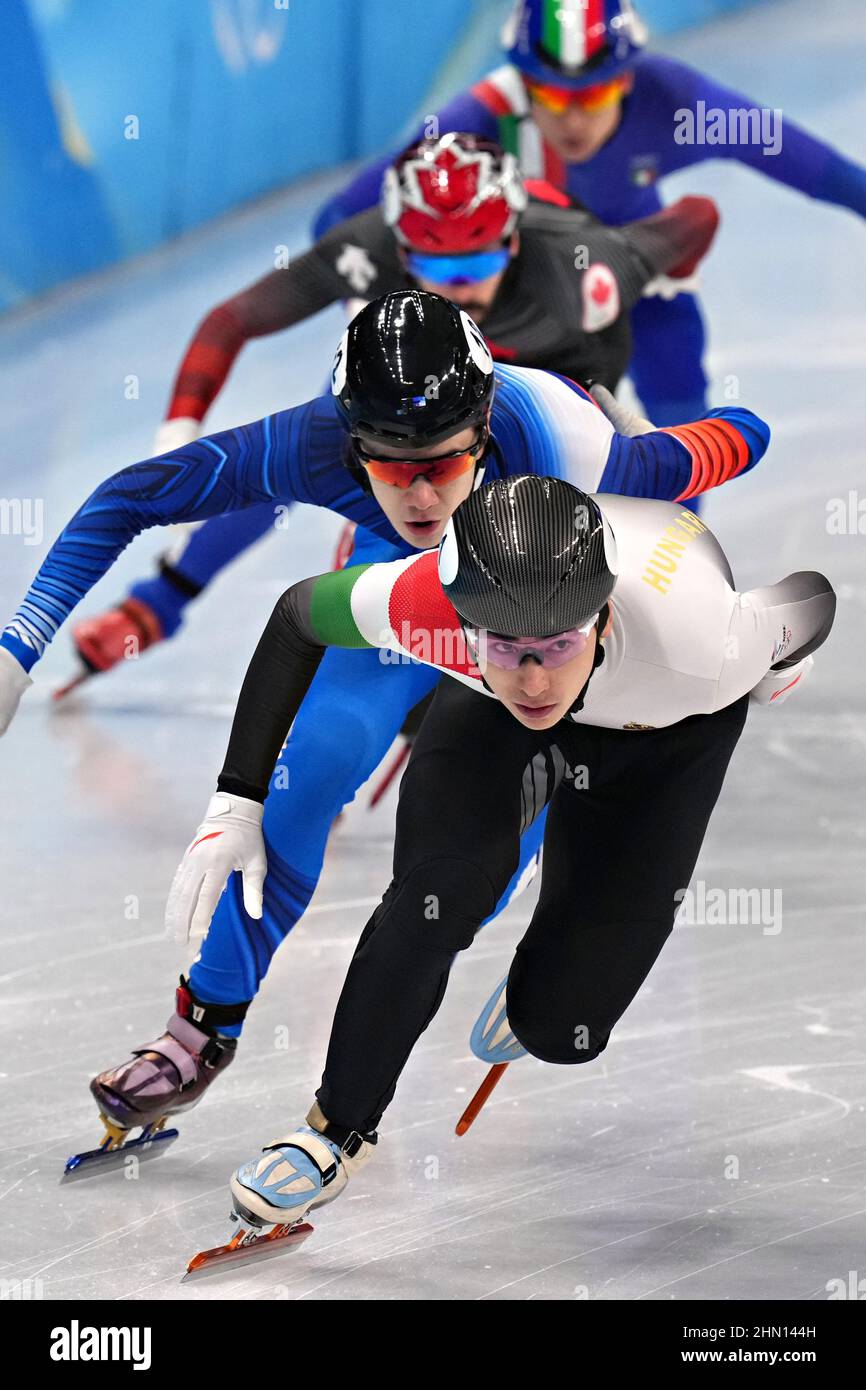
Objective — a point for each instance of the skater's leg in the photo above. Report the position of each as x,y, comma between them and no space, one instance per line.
531,842
353,711
350,717
186,571
617,853
667,362
457,845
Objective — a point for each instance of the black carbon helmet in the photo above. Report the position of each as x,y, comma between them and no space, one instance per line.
412,369
528,556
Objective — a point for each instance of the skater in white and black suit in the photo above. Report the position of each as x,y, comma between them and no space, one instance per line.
621,660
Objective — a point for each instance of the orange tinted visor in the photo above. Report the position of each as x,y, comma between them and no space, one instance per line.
598,97
438,471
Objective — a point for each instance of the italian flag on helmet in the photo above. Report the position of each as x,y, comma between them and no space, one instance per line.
573,43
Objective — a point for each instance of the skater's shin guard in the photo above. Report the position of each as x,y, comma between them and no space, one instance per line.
412,937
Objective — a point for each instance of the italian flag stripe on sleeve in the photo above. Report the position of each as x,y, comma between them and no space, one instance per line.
399,605
331,613
424,621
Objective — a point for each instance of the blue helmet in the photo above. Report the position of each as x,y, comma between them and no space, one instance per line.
573,43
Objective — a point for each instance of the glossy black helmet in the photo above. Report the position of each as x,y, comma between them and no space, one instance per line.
412,369
528,556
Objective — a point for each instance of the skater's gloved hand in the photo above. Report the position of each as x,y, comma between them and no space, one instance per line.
230,837
173,434
623,420
14,680
778,684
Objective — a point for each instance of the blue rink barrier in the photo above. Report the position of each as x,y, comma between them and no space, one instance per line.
125,124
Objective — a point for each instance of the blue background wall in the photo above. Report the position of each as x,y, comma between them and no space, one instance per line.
232,98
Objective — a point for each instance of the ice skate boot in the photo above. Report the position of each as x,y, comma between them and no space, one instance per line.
120,634
272,1193
161,1078
151,613
492,1041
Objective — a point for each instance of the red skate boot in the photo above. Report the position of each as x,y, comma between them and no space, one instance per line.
121,633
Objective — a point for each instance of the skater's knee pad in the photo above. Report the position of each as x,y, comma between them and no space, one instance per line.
442,903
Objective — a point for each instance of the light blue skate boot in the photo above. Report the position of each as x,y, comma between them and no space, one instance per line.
272,1193
492,1039
295,1174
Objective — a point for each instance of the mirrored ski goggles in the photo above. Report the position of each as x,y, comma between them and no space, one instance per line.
508,652
598,97
441,469
458,270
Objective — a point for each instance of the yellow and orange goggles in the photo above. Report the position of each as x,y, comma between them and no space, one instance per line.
441,469
598,97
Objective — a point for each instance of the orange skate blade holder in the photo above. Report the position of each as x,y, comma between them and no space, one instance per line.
246,1246
490,1081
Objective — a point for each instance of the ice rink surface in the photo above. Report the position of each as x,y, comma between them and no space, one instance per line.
716,1151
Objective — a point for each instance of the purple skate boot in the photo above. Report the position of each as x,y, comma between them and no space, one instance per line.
161,1078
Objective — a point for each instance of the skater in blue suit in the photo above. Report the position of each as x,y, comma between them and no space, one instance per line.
583,106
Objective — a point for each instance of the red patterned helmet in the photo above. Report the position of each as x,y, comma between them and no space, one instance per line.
453,195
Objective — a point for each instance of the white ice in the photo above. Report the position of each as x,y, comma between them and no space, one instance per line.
717,1149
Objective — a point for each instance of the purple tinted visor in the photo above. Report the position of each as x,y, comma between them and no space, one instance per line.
508,652
458,270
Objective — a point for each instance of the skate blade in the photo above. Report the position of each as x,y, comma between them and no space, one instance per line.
246,1247
63,690
113,1153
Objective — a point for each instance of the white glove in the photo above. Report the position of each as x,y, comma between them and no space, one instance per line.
776,686
173,434
14,680
623,420
230,837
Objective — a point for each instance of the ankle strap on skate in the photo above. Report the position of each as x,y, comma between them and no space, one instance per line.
207,1017
188,587
349,1141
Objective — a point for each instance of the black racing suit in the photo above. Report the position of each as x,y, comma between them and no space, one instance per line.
628,814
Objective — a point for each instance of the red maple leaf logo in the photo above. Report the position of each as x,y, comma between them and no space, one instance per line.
600,291
451,184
